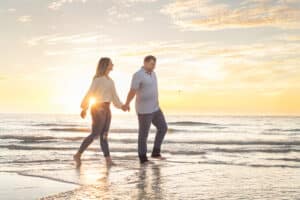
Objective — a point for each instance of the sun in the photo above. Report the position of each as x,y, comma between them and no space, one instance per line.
211,69
92,101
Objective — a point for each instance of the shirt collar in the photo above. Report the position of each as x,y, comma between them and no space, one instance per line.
149,73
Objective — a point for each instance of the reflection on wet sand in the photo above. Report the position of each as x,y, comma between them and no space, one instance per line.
149,182
180,180
142,182
157,183
88,175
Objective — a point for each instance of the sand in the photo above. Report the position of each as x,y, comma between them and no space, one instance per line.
174,179
15,186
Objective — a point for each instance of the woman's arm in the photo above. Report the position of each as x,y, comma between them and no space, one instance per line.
115,98
86,100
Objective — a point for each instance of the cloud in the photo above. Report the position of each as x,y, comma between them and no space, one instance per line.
126,10
74,39
82,51
270,63
56,5
138,19
118,12
25,19
266,64
210,60
141,1
212,15
11,10
287,37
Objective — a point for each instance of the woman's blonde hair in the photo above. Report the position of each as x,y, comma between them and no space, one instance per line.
102,66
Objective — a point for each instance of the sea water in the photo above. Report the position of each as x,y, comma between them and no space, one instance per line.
232,157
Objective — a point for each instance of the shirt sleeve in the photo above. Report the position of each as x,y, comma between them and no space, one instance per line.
86,100
135,82
115,98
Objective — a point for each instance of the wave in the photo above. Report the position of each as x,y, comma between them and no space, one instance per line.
284,130
175,152
33,161
27,138
191,123
239,142
178,123
209,142
126,150
125,130
289,150
280,166
285,159
55,124
71,129
133,158
40,139
216,162
27,147
248,165
48,177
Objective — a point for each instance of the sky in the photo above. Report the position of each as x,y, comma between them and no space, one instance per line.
213,56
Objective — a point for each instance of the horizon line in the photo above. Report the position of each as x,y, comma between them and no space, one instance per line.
170,114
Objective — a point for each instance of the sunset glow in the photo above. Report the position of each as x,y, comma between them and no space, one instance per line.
219,57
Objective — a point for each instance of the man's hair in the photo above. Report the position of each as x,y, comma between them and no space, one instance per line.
149,58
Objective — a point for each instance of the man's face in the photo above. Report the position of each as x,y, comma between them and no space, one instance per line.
150,65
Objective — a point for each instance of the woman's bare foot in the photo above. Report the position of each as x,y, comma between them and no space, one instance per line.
109,161
77,159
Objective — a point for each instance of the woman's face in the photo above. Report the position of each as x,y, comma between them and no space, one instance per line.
110,66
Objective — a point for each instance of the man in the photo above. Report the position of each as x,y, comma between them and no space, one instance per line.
144,87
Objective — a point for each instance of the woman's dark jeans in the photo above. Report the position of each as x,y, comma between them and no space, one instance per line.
101,116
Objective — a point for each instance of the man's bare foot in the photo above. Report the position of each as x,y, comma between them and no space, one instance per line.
146,162
159,157
77,159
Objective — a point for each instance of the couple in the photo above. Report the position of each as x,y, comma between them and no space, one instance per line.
144,87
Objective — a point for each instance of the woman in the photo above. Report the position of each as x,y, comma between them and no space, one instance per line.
103,91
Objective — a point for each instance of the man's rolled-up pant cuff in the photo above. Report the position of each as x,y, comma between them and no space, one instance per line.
143,158
155,152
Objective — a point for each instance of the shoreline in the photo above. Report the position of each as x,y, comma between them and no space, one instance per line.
130,180
16,185
197,181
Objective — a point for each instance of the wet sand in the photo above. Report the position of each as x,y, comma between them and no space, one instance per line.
15,186
174,179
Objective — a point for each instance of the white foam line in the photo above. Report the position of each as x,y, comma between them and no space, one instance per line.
49,178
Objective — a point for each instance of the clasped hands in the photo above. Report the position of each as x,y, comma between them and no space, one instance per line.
125,107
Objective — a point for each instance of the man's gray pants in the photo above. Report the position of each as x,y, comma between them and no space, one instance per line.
145,120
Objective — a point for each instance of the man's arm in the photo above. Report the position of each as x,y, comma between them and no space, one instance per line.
135,84
130,96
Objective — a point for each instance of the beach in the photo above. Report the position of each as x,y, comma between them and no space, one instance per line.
209,87
17,186
208,157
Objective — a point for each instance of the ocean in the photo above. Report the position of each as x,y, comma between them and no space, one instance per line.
208,157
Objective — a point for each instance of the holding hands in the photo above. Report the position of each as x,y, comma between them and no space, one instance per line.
126,107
